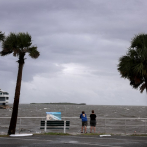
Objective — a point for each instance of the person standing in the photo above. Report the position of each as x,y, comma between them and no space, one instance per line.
84,122
92,121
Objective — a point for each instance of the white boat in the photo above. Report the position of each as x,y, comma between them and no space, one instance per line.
4,97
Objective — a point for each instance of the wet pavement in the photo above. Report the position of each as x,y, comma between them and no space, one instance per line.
70,141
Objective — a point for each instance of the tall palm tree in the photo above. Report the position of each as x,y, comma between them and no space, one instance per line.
133,65
1,36
18,44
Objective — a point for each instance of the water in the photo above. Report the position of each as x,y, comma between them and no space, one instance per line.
39,110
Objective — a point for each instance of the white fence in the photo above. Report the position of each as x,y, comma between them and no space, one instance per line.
133,125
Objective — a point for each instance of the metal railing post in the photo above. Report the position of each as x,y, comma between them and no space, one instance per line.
125,126
144,126
45,126
19,125
65,126
105,125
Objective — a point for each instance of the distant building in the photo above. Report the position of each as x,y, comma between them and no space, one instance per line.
4,97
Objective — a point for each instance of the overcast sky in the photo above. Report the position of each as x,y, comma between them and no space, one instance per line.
80,43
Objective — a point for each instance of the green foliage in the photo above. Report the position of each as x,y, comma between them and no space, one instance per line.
33,52
2,36
133,66
54,133
138,135
4,135
19,44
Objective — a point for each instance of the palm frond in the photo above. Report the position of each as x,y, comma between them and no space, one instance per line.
136,81
139,41
125,66
133,65
143,87
33,53
139,69
5,52
9,44
19,43
23,40
2,36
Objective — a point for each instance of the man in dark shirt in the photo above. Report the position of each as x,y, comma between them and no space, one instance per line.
92,121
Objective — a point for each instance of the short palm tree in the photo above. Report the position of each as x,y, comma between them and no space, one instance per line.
18,44
133,65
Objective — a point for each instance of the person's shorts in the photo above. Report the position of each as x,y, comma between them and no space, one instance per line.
93,123
84,123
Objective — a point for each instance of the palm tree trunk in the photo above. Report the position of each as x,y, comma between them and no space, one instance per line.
13,121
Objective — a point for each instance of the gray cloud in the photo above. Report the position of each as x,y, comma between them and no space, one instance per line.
80,43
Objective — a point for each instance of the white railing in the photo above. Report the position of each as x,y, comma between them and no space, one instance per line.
104,124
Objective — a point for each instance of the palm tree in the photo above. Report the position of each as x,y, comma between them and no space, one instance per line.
1,36
133,66
18,44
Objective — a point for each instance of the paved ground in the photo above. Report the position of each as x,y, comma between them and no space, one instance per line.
72,141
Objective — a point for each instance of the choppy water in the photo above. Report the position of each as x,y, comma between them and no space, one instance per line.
39,110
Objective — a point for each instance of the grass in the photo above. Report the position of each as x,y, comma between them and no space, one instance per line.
53,133
138,135
4,135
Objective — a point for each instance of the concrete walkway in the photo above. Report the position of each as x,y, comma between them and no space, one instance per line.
71,141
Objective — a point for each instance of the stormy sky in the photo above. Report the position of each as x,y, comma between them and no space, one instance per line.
80,43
